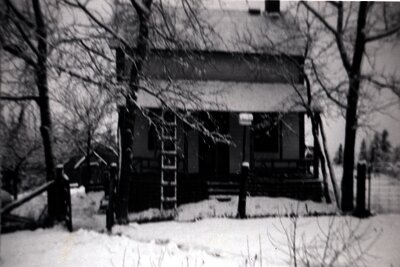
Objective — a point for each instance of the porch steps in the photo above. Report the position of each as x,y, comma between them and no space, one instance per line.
222,188
169,161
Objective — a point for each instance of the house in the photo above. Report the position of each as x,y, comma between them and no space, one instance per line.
216,68
100,158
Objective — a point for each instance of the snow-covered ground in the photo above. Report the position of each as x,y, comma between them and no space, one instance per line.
208,242
205,234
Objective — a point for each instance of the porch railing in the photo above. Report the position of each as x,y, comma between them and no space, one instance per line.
291,167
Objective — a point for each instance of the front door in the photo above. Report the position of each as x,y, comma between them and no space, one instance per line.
214,156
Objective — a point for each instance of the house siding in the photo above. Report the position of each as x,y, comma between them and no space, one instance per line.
141,138
222,67
290,136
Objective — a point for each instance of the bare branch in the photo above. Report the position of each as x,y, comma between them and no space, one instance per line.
19,14
16,51
336,32
98,22
383,34
19,98
140,7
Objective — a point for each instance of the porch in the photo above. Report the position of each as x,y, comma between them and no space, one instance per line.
269,178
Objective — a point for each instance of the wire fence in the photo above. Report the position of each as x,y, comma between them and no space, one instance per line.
384,194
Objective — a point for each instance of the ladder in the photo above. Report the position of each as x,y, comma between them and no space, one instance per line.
169,161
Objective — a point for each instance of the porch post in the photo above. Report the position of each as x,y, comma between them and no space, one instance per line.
251,143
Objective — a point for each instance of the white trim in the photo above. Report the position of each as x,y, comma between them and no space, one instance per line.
79,162
84,157
97,155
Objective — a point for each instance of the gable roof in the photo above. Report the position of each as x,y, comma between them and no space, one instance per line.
105,154
214,30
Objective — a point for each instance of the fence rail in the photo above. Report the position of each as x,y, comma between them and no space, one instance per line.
61,200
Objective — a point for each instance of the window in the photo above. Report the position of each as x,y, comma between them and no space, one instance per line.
152,138
266,133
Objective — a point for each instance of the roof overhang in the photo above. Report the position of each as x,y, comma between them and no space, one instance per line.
222,96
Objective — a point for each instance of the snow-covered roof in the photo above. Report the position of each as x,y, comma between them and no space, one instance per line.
214,30
222,96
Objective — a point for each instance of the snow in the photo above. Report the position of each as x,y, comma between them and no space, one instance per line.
209,242
255,207
206,233
85,208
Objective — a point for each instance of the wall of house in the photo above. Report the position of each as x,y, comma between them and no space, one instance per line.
141,138
289,149
221,66
290,136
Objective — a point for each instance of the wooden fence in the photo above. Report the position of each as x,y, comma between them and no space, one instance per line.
60,200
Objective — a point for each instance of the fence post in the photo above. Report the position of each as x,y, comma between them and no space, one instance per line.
360,210
243,190
64,208
111,193
59,207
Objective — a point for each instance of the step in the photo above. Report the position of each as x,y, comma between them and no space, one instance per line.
221,184
223,191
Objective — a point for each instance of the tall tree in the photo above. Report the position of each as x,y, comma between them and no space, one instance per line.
24,36
357,27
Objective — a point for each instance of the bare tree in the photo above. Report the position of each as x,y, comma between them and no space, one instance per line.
24,37
357,27
20,144
85,109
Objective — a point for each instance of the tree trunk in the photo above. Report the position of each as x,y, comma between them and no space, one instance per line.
328,161
43,102
319,155
127,116
351,112
137,57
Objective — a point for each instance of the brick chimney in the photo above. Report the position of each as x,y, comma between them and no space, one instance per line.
272,6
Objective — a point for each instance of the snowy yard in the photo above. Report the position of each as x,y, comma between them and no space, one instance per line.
205,234
209,242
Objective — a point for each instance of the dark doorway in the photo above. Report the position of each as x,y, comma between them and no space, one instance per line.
214,156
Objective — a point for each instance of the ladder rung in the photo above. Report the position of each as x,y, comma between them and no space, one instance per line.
169,138
166,183
169,152
168,167
168,199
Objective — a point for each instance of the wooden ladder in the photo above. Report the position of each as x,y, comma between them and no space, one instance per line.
169,161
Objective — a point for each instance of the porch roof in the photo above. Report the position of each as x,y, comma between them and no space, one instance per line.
221,96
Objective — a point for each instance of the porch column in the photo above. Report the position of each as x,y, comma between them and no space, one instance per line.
251,144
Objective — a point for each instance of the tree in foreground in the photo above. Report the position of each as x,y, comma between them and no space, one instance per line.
351,32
